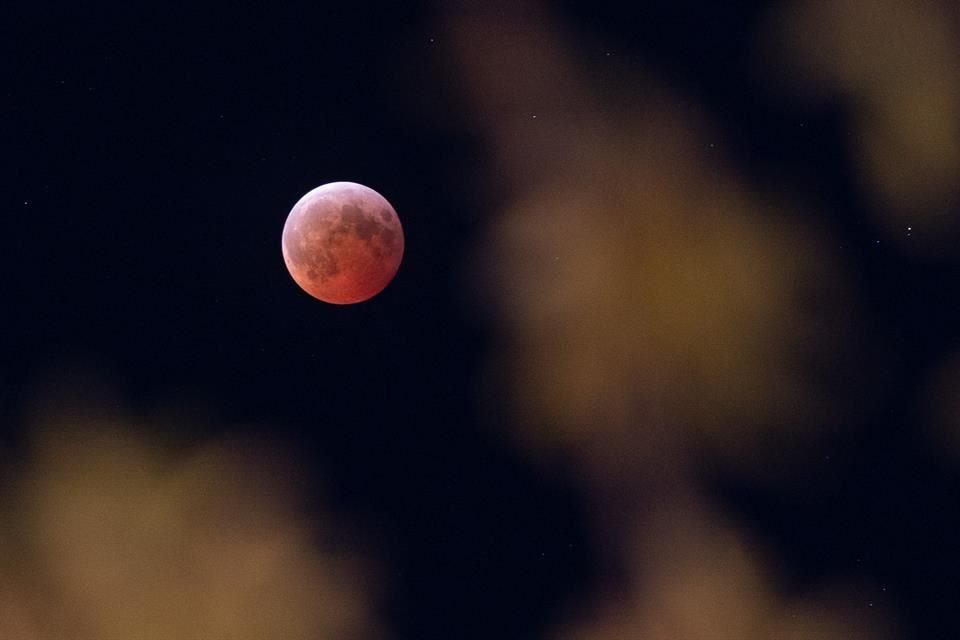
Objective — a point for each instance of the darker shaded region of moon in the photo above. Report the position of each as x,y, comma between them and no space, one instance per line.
343,243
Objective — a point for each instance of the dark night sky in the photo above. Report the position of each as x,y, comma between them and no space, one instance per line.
150,158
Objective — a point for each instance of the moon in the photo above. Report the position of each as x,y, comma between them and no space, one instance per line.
342,243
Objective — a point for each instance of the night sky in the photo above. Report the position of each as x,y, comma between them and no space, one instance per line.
151,156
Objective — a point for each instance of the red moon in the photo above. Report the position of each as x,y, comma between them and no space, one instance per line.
342,243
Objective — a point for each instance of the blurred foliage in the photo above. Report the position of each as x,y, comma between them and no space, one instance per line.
661,314
110,532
